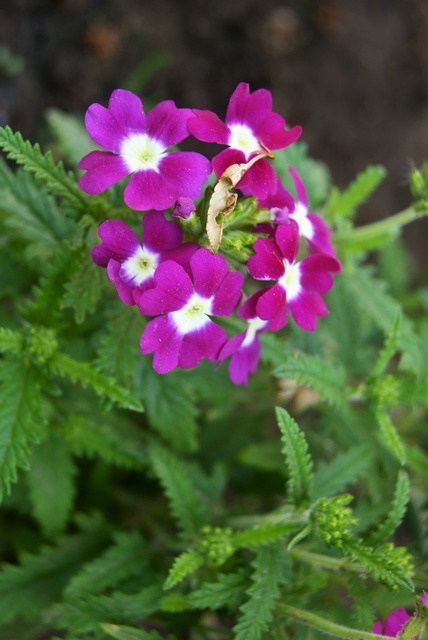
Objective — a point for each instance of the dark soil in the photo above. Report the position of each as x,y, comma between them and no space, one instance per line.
354,73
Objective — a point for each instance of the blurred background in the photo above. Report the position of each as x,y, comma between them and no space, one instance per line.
353,74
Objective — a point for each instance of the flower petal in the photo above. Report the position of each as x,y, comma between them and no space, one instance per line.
248,108
160,234
316,272
147,189
209,271
260,179
207,126
395,622
287,239
206,342
225,159
104,169
125,292
244,362
300,187
167,123
228,294
267,264
173,288
184,172
274,135
271,305
118,243
127,109
320,240
161,337
306,307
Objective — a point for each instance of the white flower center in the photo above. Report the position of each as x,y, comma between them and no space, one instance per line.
141,152
300,215
139,267
254,325
194,315
242,138
291,280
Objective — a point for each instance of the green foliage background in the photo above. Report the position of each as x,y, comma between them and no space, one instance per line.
137,506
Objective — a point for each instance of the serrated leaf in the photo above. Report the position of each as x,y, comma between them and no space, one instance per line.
343,470
297,458
270,568
375,303
187,504
311,371
63,365
390,435
126,558
85,288
11,340
117,442
387,564
389,348
129,633
395,513
170,405
51,483
27,588
345,204
228,591
21,418
184,564
119,346
58,181
84,615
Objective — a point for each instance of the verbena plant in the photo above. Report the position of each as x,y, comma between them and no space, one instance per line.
248,479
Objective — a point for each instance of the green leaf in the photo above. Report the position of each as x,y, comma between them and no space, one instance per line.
29,587
70,135
184,564
51,483
334,477
270,569
85,287
170,405
228,591
376,304
387,564
390,435
58,181
10,340
125,559
84,615
117,442
390,347
321,376
297,458
345,204
119,345
65,366
187,504
395,513
129,633
21,418
31,214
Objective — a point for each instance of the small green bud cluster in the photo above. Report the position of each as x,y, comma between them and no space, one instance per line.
217,544
419,183
332,519
41,344
385,391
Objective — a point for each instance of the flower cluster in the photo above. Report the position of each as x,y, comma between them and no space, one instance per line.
183,285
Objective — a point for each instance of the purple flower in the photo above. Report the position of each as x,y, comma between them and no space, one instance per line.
131,265
393,624
251,127
183,208
183,332
137,144
299,284
285,208
245,348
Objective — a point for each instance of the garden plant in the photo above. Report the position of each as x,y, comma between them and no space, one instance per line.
214,384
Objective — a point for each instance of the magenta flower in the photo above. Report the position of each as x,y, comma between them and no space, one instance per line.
285,208
393,624
299,284
251,127
244,348
137,144
183,332
130,265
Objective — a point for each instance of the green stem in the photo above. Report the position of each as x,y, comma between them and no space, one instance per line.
326,626
327,562
371,235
